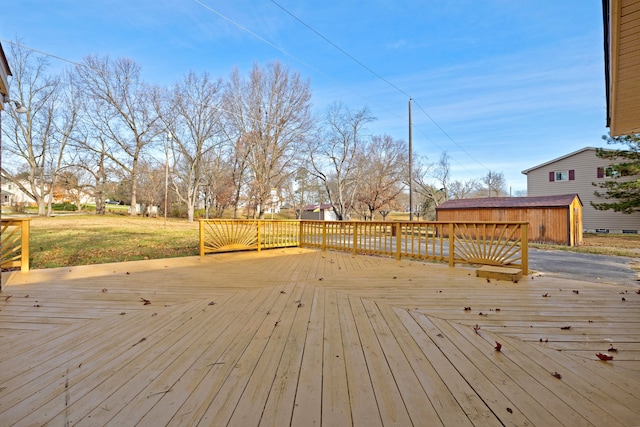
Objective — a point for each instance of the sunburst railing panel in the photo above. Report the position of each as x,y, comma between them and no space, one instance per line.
15,243
486,243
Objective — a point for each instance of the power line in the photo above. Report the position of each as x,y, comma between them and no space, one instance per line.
378,76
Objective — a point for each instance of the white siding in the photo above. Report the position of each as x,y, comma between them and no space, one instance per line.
585,165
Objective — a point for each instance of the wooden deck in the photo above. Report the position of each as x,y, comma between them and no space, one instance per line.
303,337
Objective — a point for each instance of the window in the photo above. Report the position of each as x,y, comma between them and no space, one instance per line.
567,175
562,176
610,172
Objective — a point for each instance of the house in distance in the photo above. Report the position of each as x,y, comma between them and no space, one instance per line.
576,173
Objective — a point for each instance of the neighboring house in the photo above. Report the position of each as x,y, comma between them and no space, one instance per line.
322,212
576,173
552,219
13,195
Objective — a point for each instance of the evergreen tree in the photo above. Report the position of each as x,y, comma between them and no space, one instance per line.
622,191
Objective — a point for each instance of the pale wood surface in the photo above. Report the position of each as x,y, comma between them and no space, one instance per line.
303,337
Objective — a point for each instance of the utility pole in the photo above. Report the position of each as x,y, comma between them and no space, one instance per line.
166,175
410,167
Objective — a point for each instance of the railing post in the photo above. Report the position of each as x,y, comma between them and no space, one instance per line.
524,247
324,236
300,233
201,237
24,265
452,246
398,227
258,231
355,238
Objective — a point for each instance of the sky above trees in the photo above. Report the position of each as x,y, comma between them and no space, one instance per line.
499,85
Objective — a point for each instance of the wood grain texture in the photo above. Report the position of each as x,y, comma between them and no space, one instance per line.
303,337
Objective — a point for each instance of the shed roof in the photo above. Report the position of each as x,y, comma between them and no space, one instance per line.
321,206
511,202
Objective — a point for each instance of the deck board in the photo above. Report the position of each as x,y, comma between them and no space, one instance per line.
303,337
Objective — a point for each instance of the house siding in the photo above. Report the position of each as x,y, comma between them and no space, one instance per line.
585,165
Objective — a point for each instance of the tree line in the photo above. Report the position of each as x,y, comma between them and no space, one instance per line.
223,144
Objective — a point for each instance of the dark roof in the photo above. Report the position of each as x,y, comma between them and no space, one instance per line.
511,202
322,206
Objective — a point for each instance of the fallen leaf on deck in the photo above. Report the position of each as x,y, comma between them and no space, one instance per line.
476,328
212,303
104,290
498,346
545,295
557,375
467,309
612,349
509,410
566,328
141,340
7,297
604,356
145,301
576,292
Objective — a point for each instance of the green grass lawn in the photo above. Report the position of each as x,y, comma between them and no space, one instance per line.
62,241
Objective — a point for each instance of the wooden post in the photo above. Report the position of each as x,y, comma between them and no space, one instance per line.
258,232
24,265
398,233
201,237
324,236
452,246
355,238
300,236
524,247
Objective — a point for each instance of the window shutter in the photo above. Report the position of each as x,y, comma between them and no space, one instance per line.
600,172
552,176
572,174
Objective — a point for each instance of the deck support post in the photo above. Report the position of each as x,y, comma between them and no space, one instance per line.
398,231
524,247
452,247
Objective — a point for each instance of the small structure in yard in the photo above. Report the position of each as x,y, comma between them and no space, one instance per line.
552,219
321,212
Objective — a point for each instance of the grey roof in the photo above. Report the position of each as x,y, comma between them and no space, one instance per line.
510,202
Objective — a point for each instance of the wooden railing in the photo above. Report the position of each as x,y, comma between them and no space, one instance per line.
15,243
485,243
220,235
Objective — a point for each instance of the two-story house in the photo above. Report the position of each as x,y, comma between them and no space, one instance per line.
575,173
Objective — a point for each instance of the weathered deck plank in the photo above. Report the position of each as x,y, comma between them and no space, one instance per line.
301,337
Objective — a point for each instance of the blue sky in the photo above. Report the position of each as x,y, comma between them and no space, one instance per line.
498,84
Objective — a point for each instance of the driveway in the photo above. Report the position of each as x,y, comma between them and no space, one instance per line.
587,267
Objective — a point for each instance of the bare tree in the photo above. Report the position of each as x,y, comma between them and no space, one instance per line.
191,113
384,165
38,138
495,184
122,112
432,180
334,156
463,189
270,117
